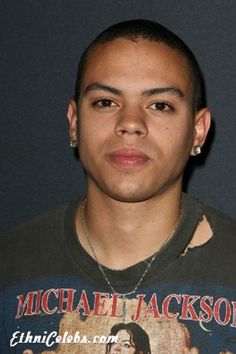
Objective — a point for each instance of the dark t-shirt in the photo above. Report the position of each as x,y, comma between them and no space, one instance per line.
54,298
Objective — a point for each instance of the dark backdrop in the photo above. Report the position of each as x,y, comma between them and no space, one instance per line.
41,41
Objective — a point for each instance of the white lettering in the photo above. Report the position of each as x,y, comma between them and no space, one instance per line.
14,337
49,339
84,340
76,337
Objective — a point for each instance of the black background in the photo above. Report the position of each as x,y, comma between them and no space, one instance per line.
41,41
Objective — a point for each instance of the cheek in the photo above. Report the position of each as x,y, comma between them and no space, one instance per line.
179,137
92,136
92,131
174,142
93,123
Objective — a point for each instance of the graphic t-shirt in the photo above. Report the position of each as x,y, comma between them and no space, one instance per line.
54,299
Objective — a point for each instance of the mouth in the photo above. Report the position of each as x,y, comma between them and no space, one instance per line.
128,158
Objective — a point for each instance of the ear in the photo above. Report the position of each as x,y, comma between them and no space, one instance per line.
202,125
73,120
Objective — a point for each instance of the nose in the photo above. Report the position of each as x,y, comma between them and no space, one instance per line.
131,121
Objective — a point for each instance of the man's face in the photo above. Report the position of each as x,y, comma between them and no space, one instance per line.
135,118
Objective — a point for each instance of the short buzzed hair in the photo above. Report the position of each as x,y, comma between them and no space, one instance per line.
144,29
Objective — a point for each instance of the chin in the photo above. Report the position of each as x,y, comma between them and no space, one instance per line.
139,192
130,196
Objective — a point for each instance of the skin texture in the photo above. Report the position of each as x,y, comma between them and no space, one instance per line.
135,129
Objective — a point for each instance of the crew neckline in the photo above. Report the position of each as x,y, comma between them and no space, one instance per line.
124,279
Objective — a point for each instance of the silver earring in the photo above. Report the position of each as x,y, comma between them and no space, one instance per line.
197,150
73,143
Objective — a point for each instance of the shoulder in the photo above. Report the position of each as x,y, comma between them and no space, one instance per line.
34,249
219,221
37,229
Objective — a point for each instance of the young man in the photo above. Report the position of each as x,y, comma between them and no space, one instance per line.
135,249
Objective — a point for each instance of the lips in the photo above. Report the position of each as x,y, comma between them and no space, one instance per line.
128,158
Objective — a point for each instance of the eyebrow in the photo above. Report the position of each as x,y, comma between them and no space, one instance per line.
158,90
97,86
149,92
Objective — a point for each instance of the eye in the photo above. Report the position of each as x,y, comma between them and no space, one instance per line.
161,106
126,345
104,103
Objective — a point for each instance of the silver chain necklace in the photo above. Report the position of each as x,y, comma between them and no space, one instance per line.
123,296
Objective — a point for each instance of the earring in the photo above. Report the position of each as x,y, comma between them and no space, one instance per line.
197,150
73,143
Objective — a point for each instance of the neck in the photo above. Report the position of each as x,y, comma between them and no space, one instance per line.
123,234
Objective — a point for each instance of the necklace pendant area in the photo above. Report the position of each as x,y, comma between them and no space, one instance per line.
124,310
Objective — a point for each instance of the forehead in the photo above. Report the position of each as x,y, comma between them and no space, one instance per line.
142,61
123,335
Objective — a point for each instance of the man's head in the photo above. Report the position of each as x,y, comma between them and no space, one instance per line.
138,112
144,29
